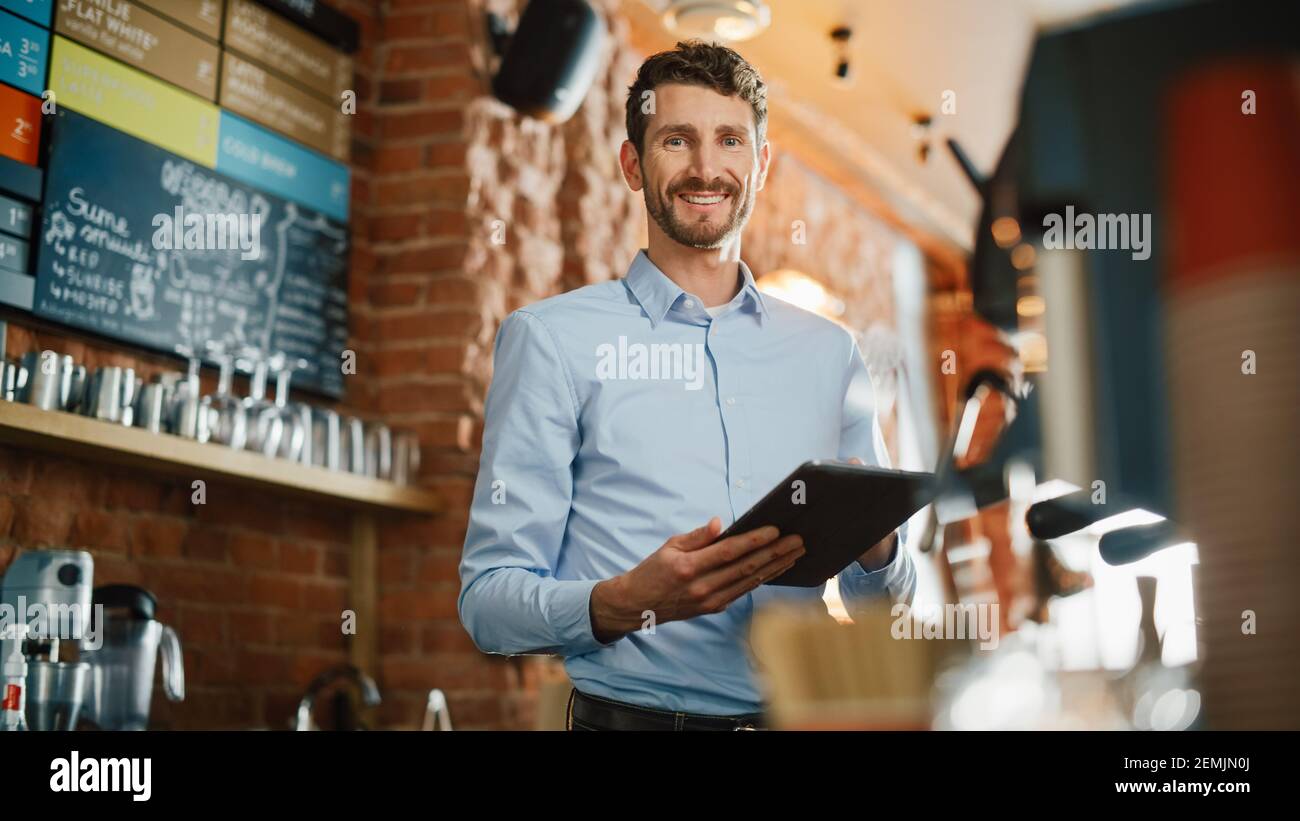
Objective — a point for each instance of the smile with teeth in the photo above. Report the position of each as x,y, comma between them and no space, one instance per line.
704,199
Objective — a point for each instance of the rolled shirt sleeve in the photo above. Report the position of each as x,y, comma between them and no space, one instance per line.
860,436
895,581
510,599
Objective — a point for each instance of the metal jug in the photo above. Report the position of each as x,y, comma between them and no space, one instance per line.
352,445
379,451
53,382
406,457
326,439
153,405
110,394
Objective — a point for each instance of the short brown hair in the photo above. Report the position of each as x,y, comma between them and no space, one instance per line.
697,63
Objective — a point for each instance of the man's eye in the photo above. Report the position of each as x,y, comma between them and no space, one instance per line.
731,142
675,142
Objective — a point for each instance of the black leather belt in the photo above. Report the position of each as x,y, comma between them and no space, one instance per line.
588,712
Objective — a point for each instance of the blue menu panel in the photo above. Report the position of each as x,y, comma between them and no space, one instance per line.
38,11
251,154
24,51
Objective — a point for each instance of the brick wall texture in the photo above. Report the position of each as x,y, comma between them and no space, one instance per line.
462,211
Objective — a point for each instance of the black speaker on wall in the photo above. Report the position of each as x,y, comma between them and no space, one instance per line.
551,59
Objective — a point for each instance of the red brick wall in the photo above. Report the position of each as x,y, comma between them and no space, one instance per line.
442,172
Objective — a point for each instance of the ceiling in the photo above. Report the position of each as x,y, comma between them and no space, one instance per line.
905,55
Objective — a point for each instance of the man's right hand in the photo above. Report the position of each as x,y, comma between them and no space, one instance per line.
691,575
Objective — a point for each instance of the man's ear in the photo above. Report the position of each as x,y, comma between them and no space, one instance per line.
630,162
764,161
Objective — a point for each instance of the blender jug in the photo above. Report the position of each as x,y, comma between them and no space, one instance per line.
122,667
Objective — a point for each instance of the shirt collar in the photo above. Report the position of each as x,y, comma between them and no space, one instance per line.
657,294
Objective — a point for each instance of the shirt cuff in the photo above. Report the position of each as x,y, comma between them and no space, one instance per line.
568,612
896,580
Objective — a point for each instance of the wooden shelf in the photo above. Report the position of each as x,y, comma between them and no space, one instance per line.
83,437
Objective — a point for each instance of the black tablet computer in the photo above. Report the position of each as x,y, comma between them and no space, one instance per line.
840,510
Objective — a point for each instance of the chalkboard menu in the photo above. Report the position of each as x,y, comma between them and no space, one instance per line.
147,247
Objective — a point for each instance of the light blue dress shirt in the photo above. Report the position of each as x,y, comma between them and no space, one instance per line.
621,414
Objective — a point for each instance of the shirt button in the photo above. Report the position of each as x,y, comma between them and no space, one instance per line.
690,303
731,400
740,483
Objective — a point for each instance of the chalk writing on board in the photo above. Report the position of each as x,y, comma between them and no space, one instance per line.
100,265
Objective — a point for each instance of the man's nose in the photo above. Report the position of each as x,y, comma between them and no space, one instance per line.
704,163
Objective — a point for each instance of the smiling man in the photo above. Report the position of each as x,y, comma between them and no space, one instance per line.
628,421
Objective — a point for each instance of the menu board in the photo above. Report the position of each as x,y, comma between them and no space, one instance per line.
24,49
20,125
323,20
267,38
15,228
190,256
204,16
131,101
20,179
138,37
262,97
38,11
15,217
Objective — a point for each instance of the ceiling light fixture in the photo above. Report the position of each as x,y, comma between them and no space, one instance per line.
728,20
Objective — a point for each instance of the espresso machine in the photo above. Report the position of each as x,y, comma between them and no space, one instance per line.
113,631
122,665
50,591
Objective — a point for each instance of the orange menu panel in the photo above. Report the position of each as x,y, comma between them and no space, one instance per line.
20,125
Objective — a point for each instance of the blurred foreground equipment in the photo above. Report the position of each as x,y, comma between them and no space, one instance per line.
822,675
1171,377
1232,352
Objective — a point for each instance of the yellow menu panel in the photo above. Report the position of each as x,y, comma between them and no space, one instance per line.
131,101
